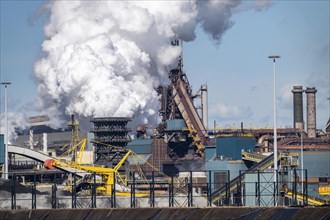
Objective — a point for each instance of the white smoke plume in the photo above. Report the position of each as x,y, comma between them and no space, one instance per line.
104,58
15,121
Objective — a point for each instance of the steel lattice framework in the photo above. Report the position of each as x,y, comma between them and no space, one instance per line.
110,139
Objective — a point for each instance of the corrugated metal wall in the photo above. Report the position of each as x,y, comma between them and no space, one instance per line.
158,157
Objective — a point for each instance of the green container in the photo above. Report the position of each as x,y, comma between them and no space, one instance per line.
232,147
175,125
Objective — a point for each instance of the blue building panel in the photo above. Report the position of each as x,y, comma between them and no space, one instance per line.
210,152
231,147
2,149
317,163
175,125
233,166
225,167
140,146
266,187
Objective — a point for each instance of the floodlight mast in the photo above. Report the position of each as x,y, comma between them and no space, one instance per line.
274,57
5,172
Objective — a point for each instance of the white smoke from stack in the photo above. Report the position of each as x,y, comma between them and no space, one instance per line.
15,121
214,16
104,58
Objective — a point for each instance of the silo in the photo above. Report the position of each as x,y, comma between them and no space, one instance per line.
311,111
298,119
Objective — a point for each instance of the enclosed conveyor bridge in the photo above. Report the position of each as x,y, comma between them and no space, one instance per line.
41,157
221,192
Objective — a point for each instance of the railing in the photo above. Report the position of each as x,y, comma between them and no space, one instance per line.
152,190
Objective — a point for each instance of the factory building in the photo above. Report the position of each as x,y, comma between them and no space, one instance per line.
223,165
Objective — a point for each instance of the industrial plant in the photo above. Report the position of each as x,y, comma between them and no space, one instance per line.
181,163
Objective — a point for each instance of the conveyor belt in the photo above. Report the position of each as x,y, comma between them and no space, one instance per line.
268,161
41,157
254,157
311,200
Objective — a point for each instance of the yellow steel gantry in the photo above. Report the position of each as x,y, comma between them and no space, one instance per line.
107,174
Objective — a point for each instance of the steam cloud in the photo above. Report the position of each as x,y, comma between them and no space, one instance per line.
104,58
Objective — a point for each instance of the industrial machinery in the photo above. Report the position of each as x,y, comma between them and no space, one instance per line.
103,178
287,161
110,132
177,104
74,126
106,176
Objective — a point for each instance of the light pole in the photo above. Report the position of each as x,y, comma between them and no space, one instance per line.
6,134
274,57
302,163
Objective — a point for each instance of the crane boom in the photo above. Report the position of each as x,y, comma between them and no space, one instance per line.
106,173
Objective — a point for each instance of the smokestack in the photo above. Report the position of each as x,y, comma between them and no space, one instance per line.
298,119
311,111
31,139
45,143
205,116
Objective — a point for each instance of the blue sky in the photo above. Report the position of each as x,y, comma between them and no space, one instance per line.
236,70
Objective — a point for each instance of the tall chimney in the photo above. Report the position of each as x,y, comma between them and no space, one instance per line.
311,112
45,143
205,117
298,116
31,142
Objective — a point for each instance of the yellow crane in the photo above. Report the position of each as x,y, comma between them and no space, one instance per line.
107,174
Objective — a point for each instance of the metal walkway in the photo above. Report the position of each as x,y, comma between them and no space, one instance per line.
254,157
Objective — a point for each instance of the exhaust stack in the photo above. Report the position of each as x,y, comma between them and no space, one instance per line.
311,111
205,117
298,117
